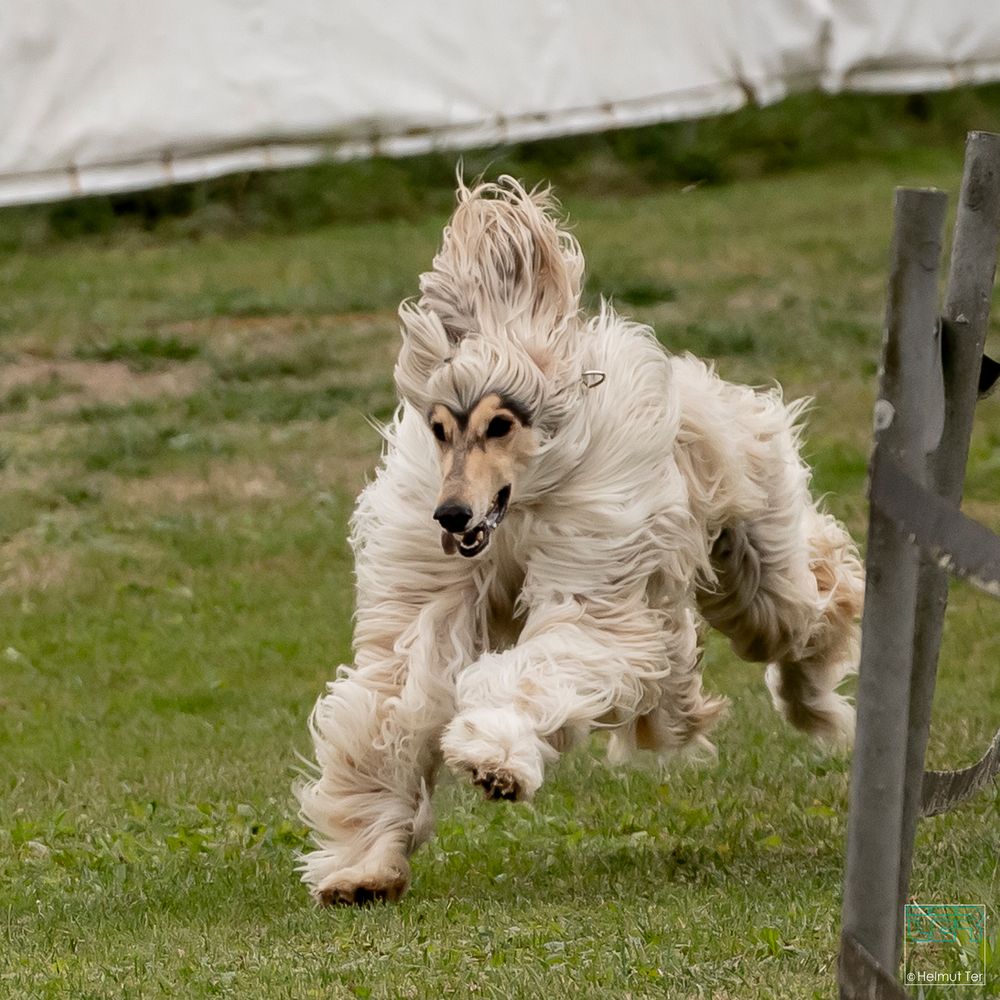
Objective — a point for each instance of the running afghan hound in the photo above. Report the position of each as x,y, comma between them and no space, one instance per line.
560,506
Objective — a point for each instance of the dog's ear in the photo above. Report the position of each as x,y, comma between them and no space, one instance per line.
505,267
426,346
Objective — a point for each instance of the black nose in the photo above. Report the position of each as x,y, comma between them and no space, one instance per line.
453,516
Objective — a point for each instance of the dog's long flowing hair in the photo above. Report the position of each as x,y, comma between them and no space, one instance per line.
633,512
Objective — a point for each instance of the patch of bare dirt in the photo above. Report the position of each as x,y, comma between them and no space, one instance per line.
101,381
271,334
224,480
284,325
26,565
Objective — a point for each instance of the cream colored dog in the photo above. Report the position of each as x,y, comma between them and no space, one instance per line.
560,505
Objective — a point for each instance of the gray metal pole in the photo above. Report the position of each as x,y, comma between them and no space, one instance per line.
907,424
964,326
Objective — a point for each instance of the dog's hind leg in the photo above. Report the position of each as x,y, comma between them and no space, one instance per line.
803,686
684,714
788,592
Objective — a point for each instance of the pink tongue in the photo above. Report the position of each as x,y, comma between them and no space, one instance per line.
448,544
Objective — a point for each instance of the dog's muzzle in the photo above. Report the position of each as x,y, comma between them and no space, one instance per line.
473,540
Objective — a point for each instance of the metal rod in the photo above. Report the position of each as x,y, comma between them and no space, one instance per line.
907,422
963,332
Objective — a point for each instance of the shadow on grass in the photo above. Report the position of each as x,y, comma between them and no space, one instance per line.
630,870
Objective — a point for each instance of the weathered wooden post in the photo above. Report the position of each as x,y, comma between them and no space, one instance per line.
908,420
931,372
963,336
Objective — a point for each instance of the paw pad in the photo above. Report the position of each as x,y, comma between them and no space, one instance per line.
362,895
497,784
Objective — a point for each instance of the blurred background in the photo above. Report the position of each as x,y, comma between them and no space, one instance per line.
805,130
210,214
111,97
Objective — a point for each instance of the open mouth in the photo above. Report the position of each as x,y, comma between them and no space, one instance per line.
472,542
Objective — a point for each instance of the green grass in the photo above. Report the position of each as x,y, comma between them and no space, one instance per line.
140,353
175,589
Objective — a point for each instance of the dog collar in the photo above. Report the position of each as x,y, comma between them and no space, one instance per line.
592,378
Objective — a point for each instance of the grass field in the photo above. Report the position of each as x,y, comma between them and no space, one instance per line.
183,432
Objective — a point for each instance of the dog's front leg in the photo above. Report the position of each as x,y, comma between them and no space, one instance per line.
376,733
377,729
578,664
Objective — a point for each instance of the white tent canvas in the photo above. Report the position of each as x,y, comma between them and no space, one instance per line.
112,95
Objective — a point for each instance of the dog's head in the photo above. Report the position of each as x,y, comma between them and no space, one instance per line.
482,451
489,355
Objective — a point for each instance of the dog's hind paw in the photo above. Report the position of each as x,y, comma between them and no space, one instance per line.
497,783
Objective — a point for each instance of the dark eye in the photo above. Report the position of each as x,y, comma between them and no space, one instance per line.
438,430
499,427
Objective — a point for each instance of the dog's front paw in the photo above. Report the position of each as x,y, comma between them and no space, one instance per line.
361,885
497,783
500,751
